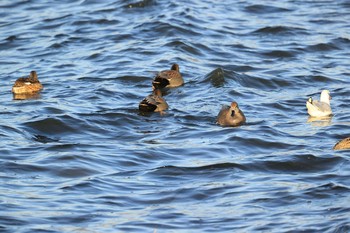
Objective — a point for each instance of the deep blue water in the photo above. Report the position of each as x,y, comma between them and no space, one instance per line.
81,158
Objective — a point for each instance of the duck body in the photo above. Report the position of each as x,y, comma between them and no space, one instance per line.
168,78
343,144
153,102
231,116
320,108
30,84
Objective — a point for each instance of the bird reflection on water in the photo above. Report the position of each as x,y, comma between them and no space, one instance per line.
320,121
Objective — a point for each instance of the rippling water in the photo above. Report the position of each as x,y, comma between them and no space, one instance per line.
81,158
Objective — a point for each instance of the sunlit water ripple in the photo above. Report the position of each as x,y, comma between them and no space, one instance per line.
81,158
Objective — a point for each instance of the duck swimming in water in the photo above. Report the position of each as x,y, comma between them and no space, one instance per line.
343,144
153,102
231,115
168,78
28,84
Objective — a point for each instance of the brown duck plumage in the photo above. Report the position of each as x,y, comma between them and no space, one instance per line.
168,78
231,116
343,144
153,103
28,84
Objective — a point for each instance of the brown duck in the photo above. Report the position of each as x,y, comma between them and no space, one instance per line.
168,78
231,116
28,84
343,144
153,103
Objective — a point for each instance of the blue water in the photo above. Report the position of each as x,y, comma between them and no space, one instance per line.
80,157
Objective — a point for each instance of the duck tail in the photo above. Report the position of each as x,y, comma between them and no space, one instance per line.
159,82
144,106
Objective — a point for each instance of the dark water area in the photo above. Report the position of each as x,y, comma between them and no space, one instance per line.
79,157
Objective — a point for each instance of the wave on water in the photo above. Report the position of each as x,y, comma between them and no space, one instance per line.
265,9
281,31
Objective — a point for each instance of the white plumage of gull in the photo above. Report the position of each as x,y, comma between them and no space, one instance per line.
320,108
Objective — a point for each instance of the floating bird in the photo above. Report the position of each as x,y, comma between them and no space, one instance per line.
320,108
153,103
28,84
231,116
343,144
168,78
